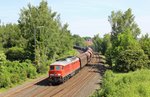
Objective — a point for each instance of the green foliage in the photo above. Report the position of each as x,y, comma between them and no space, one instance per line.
15,53
124,41
145,44
123,37
104,46
107,48
30,70
4,77
131,60
120,22
97,42
10,35
129,54
39,38
87,38
44,35
15,72
78,41
2,57
133,84
124,33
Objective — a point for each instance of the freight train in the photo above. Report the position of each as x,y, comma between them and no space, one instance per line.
63,69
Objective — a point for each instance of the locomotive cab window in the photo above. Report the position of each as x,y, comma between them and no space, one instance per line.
51,67
57,67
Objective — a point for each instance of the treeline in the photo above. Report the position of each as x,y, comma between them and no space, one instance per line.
28,47
125,52
123,49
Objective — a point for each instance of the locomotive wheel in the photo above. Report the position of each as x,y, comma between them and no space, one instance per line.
50,84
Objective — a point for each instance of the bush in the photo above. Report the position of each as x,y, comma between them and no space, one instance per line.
30,70
42,68
15,72
17,69
4,80
4,77
131,60
15,53
2,57
132,84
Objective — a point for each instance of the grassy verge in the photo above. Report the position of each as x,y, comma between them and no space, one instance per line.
132,84
22,82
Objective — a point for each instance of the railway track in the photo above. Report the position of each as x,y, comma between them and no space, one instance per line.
71,88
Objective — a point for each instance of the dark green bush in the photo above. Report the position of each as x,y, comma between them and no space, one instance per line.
15,53
131,60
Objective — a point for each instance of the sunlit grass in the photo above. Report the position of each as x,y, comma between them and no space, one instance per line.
133,84
28,80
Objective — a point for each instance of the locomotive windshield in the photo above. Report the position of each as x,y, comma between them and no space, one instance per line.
51,67
57,67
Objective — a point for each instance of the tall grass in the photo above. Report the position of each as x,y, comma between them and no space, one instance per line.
132,84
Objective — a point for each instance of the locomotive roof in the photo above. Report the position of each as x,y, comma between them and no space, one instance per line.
65,61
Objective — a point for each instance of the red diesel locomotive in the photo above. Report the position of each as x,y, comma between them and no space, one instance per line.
64,69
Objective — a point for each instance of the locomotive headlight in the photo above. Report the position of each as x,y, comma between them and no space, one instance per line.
51,74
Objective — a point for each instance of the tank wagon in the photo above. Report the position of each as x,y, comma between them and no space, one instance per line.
63,69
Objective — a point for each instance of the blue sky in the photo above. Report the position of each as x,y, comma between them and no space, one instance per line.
85,17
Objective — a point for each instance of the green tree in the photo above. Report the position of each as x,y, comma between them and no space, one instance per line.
145,44
10,35
102,44
106,43
44,35
121,22
97,42
131,60
77,40
15,53
123,42
107,48
124,32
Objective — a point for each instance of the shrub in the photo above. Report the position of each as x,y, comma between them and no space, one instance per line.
131,60
4,80
42,68
132,84
15,53
4,77
30,70
16,68
2,57
15,72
